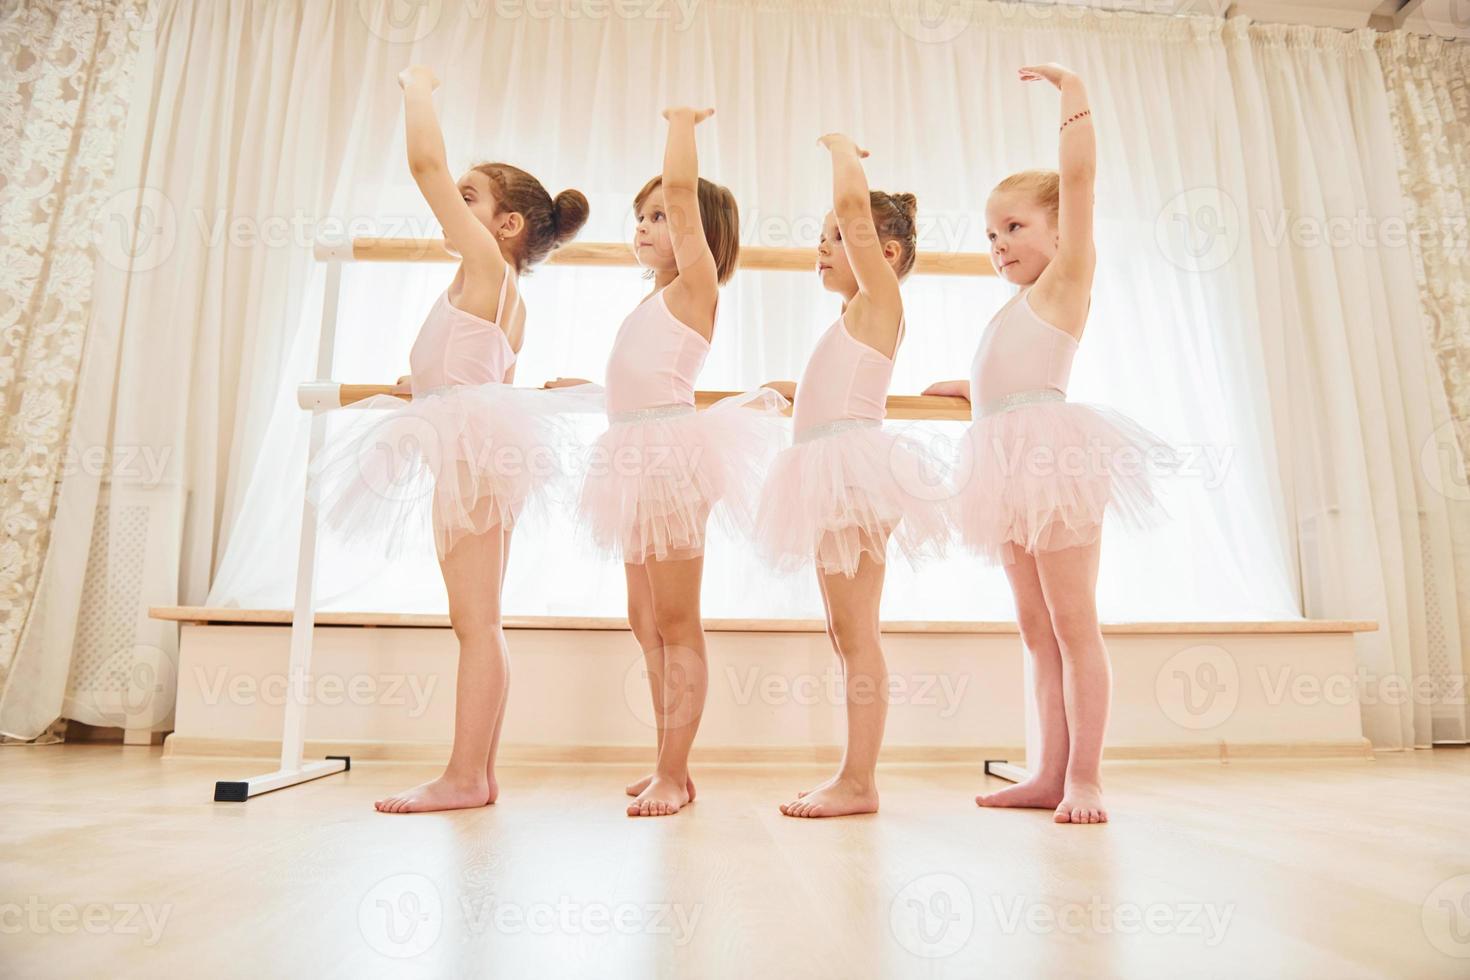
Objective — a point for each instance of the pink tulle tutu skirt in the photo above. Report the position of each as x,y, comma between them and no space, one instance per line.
456,461
847,488
654,477
1041,477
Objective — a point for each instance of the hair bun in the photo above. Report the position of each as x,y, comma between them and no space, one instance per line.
908,206
569,213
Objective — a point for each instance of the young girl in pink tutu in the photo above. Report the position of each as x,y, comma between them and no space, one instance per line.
662,468
847,485
469,453
1036,473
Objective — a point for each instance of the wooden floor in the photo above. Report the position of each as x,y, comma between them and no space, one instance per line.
114,862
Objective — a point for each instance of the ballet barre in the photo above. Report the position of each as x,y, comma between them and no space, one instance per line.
321,396
759,258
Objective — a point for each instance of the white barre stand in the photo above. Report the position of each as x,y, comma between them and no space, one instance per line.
1005,769
293,769
319,397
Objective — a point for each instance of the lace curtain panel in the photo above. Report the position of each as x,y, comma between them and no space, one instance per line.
1428,82
64,82
1429,94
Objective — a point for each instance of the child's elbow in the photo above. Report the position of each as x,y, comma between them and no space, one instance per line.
424,165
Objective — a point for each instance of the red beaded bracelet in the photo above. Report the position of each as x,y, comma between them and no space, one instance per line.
1072,119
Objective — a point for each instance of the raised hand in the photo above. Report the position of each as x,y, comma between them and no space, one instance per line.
695,116
834,140
421,74
1050,72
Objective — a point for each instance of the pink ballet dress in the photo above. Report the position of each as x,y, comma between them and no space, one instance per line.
467,454
847,482
1036,472
661,468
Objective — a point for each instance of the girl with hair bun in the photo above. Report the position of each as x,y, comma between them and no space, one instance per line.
847,487
469,454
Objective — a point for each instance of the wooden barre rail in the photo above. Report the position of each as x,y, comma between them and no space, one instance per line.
755,257
322,395
220,616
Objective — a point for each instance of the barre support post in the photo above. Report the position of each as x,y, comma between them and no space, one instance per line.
1005,769
293,769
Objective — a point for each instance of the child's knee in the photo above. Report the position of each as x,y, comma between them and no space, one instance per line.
851,633
475,623
675,624
1075,628
1036,630
643,624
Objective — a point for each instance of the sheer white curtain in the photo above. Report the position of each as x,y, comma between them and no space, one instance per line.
1295,377
577,102
1357,396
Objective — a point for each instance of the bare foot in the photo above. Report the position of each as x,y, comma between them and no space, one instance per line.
1082,804
1043,794
661,798
634,788
438,794
820,786
839,798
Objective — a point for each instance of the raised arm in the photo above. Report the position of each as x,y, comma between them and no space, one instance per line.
852,203
1076,257
692,255
427,164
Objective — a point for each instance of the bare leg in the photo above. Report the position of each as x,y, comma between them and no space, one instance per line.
1044,788
1069,580
645,631
831,638
675,587
852,609
472,575
494,786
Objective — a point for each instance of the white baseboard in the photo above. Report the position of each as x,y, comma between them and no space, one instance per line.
580,695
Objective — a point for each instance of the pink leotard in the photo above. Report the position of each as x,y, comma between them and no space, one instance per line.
654,361
1021,357
455,347
844,379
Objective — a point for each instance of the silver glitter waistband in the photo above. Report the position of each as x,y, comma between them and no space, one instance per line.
1018,398
831,428
446,389
649,414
